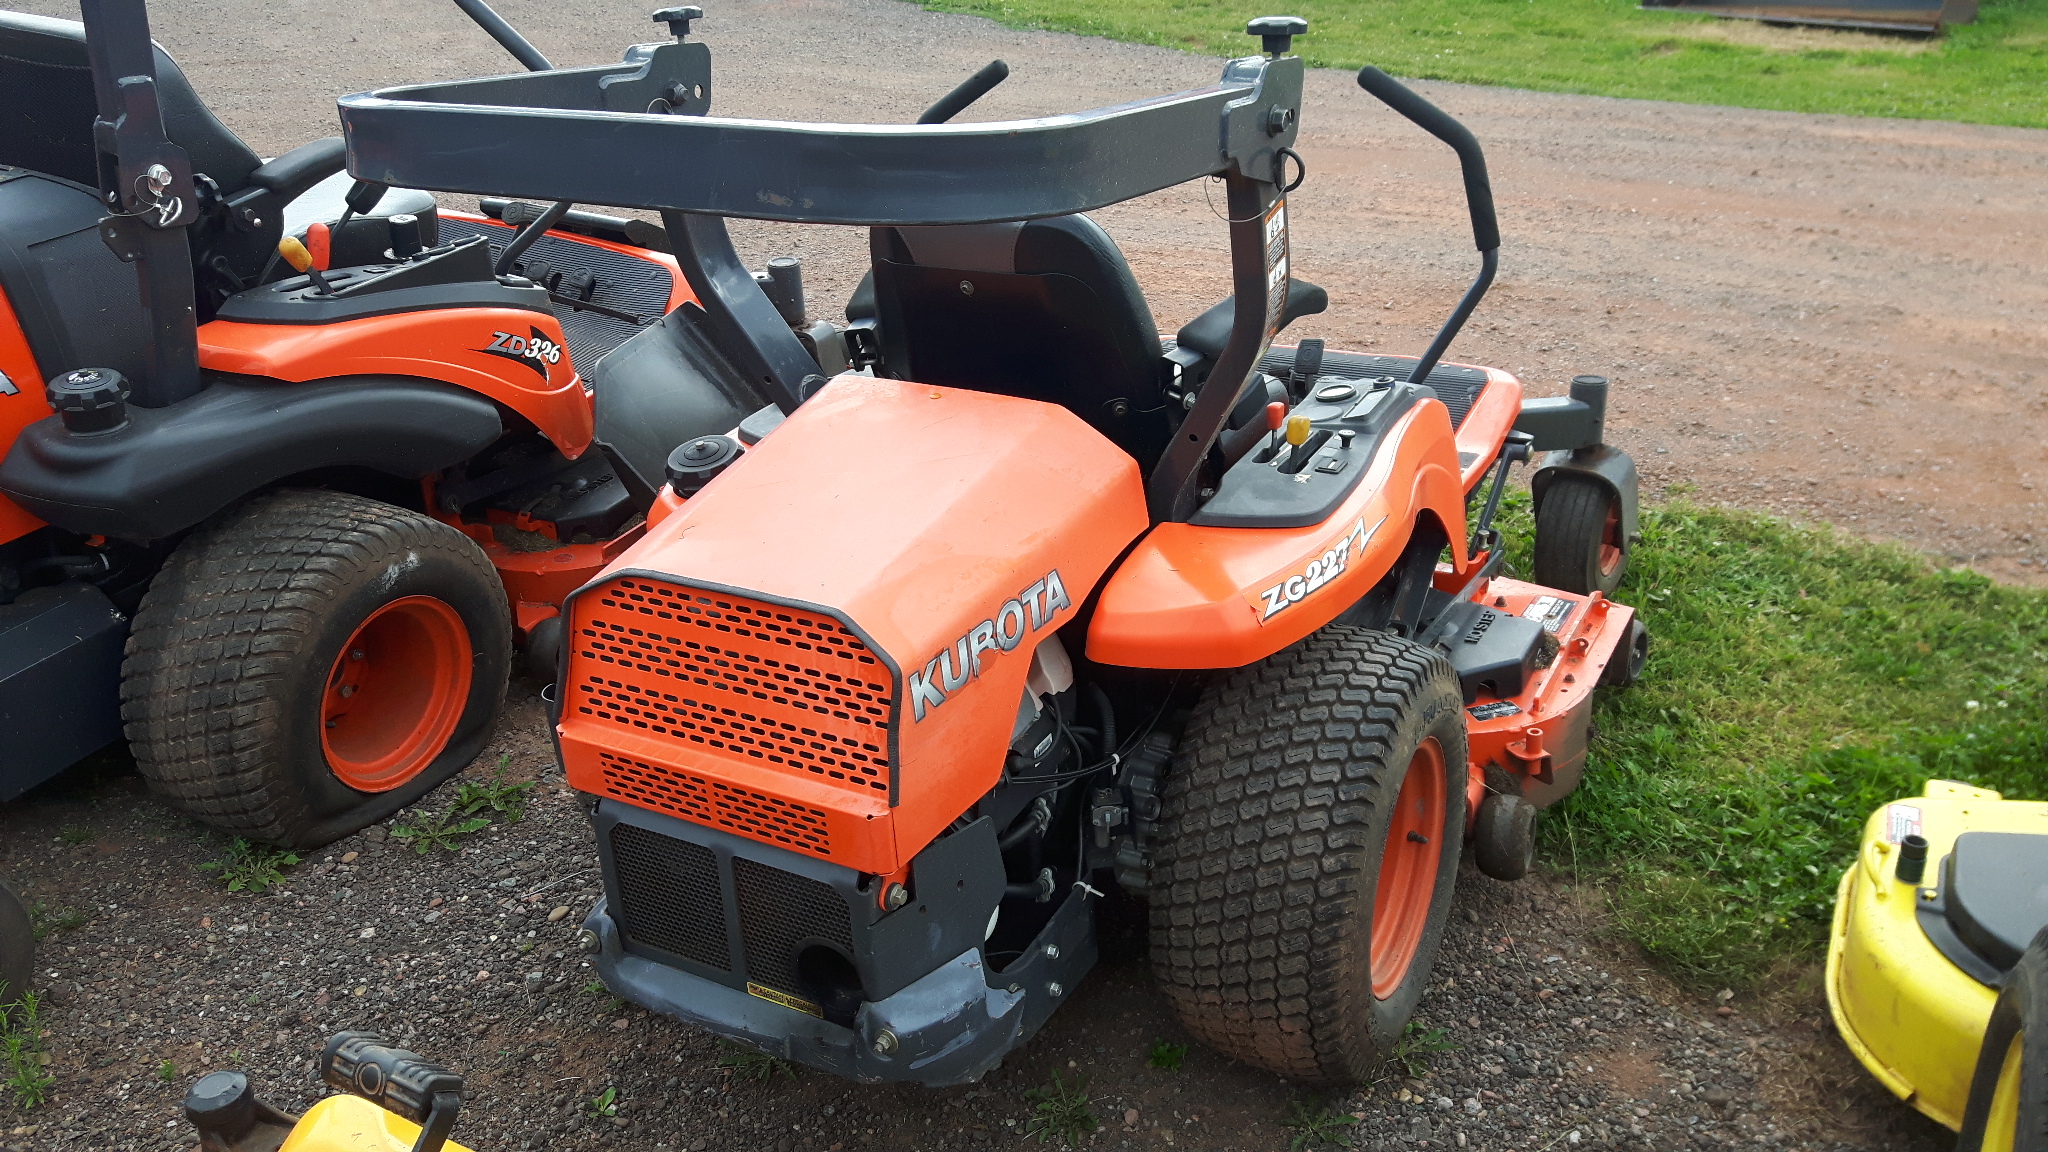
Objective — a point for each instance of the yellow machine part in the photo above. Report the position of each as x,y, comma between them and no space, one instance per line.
353,1124
1912,1017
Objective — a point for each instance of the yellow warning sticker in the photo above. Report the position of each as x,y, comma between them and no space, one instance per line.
784,999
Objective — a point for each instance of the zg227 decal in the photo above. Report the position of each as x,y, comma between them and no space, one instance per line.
1317,572
534,350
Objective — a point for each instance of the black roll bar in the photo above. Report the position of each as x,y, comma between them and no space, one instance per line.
1478,200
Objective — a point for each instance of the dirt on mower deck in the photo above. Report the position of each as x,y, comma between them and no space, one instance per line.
1832,317
1552,1034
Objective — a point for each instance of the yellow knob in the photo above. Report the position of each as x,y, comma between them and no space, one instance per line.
1297,430
295,253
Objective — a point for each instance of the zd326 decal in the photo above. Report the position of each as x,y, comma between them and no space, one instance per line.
534,350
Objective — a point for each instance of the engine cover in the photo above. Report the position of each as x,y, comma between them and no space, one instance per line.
825,648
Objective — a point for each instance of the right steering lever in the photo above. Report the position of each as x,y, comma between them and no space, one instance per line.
1478,199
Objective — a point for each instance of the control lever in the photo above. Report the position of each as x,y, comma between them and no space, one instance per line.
398,1081
971,89
1308,364
1484,538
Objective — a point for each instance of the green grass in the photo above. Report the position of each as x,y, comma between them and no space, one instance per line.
476,806
1312,1124
1989,72
250,867
22,1060
1167,1056
1417,1047
1798,679
753,1064
1061,1111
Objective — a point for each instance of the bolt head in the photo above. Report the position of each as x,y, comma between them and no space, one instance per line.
1055,988
896,896
1052,951
885,1042
587,940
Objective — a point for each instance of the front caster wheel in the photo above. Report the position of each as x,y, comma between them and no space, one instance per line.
1625,667
1311,834
1579,544
311,662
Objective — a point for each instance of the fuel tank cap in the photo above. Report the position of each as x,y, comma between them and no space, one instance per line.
694,463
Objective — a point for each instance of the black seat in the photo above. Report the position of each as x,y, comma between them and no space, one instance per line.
1041,309
47,108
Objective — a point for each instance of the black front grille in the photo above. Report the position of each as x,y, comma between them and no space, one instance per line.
670,897
780,913
1458,388
624,284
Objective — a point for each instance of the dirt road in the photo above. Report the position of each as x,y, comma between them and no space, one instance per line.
1831,317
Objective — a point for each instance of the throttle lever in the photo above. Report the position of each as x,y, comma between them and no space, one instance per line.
400,1082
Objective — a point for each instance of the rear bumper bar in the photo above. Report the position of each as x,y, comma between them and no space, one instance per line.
720,930
949,1027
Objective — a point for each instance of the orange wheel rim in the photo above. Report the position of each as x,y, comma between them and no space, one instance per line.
1610,540
395,693
1408,870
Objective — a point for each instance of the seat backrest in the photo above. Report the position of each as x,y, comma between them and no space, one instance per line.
1041,309
47,107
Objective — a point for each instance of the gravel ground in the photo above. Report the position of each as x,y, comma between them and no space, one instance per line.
1818,315
1562,1036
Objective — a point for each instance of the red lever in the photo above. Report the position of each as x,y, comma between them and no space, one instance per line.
1276,416
320,244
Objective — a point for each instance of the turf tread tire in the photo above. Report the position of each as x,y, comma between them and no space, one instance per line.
1569,528
1272,825
215,674
17,947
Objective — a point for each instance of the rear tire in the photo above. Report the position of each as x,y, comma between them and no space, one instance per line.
1580,547
17,947
311,662
1310,840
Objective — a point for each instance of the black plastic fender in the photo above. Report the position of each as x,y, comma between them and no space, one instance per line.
1605,463
169,468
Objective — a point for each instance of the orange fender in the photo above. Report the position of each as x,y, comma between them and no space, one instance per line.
1194,597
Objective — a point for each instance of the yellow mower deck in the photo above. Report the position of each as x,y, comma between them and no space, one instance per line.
1910,1015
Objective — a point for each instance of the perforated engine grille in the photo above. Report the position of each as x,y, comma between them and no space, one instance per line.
669,895
737,679
1458,388
780,913
637,287
720,805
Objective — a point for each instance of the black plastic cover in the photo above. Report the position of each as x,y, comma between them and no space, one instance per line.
79,306
171,467
1265,488
60,681
661,388
1493,651
1995,892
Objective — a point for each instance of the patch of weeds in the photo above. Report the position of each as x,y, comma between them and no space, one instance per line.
1314,1125
73,834
476,806
427,831
750,1064
254,868
46,921
1412,1052
167,1072
1167,1056
499,796
21,1051
605,1103
1060,1111
594,988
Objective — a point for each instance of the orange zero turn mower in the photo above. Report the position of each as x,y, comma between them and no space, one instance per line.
1033,602
290,462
